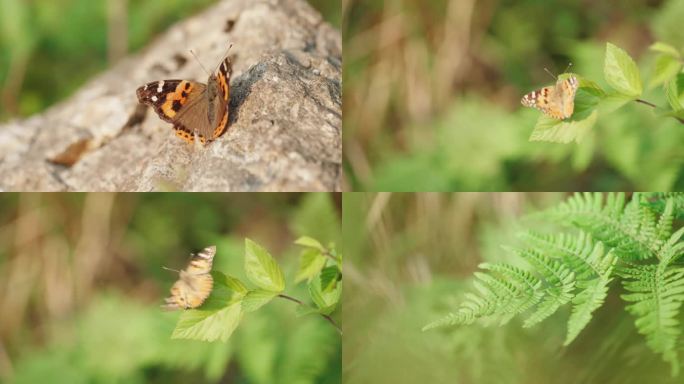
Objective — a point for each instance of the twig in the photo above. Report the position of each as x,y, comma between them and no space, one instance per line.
654,106
330,320
330,255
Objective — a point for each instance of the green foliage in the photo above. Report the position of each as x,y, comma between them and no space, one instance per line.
262,269
113,329
222,312
218,316
424,112
322,267
622,74
631,241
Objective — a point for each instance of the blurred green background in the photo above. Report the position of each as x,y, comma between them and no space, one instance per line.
432,95
81,284
48,49
411,257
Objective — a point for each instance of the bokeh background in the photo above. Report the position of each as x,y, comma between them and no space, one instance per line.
432,95
411,257
50,48
81,284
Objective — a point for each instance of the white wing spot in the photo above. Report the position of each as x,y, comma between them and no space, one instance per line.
154,98
160,86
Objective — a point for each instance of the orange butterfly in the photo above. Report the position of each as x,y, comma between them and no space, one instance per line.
556,101
195,283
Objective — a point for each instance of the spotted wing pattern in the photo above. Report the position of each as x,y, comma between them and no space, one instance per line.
195,282
556,101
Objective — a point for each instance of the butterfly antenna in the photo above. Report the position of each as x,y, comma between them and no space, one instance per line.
224,55
568,67
200,63
169,269
549,72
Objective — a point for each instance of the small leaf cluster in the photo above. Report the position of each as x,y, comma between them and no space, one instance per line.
321,268
613,238
231,298
621,73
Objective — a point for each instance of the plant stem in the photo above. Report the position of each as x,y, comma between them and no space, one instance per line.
654,106
329,255
330,320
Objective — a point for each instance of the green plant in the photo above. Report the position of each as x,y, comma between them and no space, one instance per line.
631,240
622,75
230,299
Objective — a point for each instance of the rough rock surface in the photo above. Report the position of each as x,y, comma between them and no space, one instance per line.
284,131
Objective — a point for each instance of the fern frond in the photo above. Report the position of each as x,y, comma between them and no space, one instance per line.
657,293
560,283
578,252
632,241
593,293
658,200
629,229
527,292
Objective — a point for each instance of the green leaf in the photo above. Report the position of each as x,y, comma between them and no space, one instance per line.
262,269
208,325
665,48
673,94
613,101
311,262
216,319
621,72
305,310
307,241
329,277
666,67
593,292
326,301
256,299
562,131
588,96
233,283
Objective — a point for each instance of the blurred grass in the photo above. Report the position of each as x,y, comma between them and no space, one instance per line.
81,283
432,95
411,257
48,49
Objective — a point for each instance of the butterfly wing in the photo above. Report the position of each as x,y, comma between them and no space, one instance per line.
566,90
557,102
169,98
538,99
218,97
195,282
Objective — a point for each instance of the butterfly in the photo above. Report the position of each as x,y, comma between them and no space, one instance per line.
193,108
195,282
556,101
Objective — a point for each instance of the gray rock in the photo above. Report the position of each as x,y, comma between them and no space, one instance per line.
284,131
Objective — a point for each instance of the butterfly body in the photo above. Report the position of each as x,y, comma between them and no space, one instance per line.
193,108
556,101
195,282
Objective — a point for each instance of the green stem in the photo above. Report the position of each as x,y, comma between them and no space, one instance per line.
330,320
654,106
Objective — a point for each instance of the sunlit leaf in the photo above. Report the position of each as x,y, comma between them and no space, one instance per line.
621,72
310,264
673,92
664,48
325,300
307,241
261,268
666,67
216,319
256,299
562,131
